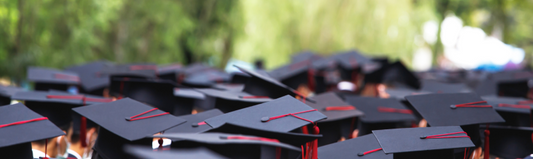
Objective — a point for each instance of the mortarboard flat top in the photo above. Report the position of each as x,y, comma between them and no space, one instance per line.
149,153
169,69
27,132
89,75
291,70
377,109
351,59
131,70
397,72
263,85
437,109
188,93
58,97
326,102
8,91
233,96
304,55
229,87
400,93
191,125
224,138
349,149
441,87
509,104
412,139
112,116
206,78
46,75
256,116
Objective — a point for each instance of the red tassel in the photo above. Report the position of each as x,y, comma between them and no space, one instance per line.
311,79
487,143
160,141
83,131
46,150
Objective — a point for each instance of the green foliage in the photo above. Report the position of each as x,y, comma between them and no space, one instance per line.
59,33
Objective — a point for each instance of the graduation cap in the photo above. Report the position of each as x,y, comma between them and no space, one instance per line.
229,87
185,100
394,74
296,74
6,92
513,83
206,78
228,101
341,117
361,147
239,78
263,85
304,55
510,142
380,113
91,80
19,126
143,152
233,145
156,92
441,87
427,142
192,125
170,72
46,79
350,63
455,109
130,71
515,111
125,121
276,115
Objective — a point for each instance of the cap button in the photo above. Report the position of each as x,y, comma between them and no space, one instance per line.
423,137
195,125
128,119
223,137
360,154
265,119
453,106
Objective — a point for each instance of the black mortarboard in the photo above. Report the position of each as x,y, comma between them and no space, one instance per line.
125,121
262,85
304,55
295,74
6,92
205,78
513,83
428,142
512,110
130,70
455,109
46,79
350,62
92,81
351,148
155,92
229,87
441,87
398,73
232,145
341,117
192,126
170,72
487,87
380,113
400,93
57,110
272,116
510,142
239,78
228,101
16,138
143,152
185,100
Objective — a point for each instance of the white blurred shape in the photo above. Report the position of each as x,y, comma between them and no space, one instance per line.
422,59
450,28
429,31
346,86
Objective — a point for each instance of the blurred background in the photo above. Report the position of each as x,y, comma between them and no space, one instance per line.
424,34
